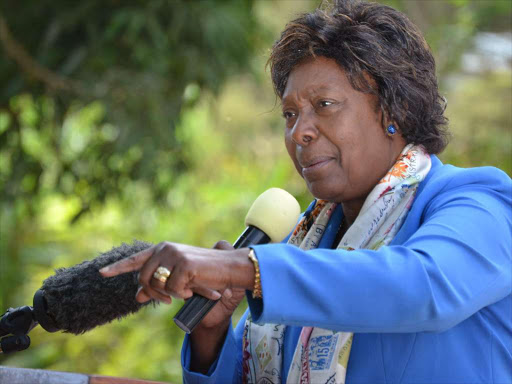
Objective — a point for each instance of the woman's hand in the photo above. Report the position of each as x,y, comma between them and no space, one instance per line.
193,270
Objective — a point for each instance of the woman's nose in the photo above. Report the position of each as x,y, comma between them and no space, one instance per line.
304,130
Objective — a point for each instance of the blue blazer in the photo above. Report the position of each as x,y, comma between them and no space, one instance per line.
434,306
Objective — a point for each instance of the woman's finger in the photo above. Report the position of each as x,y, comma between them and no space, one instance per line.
207,292
143,296
178,284
227,294
131,263
158,286
162,256
152,286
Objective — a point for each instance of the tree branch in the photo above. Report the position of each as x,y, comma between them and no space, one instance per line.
28,65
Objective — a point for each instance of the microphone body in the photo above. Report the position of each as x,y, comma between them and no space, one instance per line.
251,236
197,307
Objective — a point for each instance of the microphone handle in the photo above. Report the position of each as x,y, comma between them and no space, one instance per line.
197,307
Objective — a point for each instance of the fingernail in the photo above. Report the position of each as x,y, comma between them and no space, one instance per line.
104,269
141,301
216,295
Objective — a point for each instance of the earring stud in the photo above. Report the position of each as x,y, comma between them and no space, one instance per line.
391,130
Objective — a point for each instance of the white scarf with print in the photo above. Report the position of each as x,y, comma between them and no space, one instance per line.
321,355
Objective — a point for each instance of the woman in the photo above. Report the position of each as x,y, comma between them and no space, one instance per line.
400,269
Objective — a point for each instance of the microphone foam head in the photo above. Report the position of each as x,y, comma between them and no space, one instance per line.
78,298
275,212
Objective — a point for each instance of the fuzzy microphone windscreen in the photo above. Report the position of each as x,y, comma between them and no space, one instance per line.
79,298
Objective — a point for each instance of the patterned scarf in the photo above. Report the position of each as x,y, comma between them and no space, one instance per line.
322,355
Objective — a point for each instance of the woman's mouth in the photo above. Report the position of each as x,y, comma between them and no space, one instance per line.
315,166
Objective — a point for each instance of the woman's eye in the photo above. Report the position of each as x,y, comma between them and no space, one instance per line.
325,103
287,114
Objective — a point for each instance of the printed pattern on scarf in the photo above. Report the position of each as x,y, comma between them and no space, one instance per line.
322,355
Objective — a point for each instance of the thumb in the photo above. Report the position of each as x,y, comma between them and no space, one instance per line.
227,294
223,245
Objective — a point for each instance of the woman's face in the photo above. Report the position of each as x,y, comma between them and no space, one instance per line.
335,134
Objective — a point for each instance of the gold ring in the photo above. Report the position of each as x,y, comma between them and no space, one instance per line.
162,274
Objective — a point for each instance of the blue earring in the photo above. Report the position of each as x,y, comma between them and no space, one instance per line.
391,130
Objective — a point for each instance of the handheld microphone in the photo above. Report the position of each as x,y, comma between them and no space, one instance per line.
272,216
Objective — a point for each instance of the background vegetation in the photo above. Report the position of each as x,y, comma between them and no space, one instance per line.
156,120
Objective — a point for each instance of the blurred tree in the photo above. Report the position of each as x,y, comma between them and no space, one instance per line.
132,65
91,94
449,25
481,135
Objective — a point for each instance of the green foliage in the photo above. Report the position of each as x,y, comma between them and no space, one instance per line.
481,122
175,134
449,25
107,110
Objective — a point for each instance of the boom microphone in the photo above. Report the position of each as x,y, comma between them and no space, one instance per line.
75,300
78,298
271,218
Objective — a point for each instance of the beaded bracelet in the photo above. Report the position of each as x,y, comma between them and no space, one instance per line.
256,292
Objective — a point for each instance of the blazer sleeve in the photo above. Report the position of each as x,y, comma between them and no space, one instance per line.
457,262
228,366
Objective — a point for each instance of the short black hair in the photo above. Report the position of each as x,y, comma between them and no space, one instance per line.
376,40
